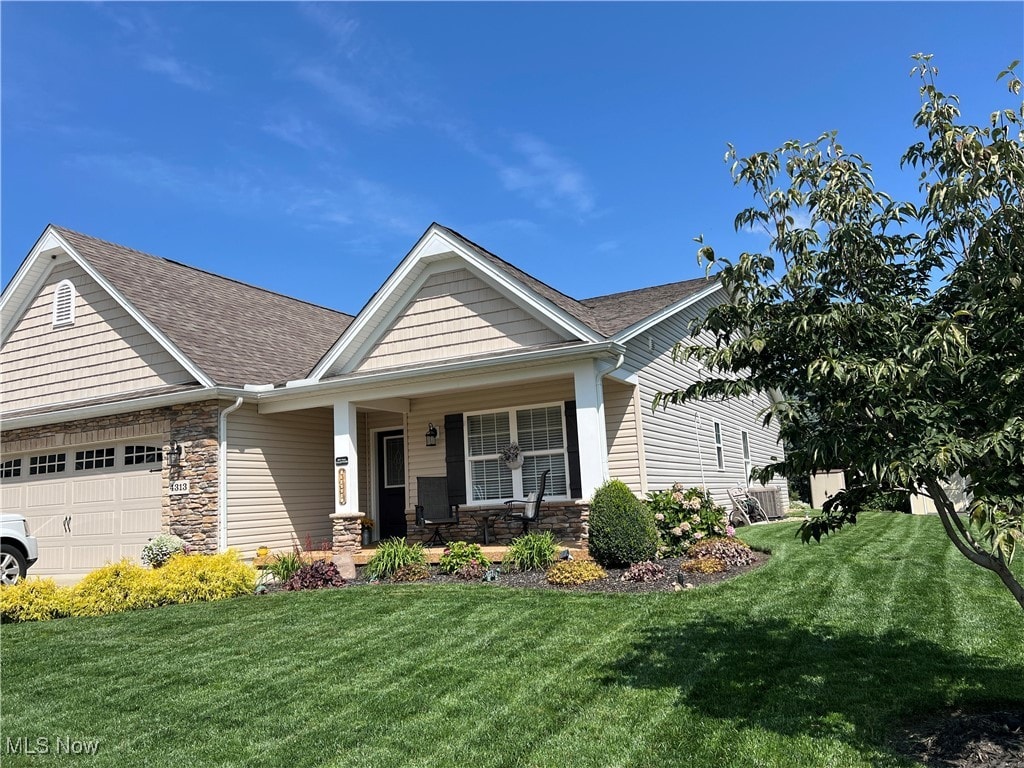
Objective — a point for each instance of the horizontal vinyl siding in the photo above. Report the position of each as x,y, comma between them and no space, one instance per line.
456,314
104,352
429,462
280,478
623,446
670,435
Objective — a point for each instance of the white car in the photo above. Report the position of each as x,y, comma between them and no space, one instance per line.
18,549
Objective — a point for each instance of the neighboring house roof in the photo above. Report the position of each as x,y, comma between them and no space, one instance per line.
236,333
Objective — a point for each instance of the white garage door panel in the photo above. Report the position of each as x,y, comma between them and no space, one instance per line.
111,513
46,493
93,491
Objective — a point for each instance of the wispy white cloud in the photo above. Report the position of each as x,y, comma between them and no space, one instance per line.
607,246
539,173
347,95
299,131
351,200
339,27
177,71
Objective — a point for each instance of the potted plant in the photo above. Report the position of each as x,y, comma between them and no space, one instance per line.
367,523
512,456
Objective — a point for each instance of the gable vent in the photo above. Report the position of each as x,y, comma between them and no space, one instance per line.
64,303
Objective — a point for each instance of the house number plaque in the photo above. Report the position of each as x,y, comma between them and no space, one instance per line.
179,488
341,487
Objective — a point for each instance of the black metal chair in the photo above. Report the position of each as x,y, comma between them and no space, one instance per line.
434,508
530,511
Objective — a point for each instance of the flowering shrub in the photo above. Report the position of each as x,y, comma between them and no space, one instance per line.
644,572
683,516
160,549
471,571
460,553
732,552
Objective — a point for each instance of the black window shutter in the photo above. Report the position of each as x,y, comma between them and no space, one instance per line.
572,436
455,457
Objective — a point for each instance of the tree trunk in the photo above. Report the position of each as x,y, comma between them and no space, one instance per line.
962,540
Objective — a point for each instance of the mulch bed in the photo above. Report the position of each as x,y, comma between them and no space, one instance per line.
613,584
958,739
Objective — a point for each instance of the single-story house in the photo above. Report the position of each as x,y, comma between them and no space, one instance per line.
142,395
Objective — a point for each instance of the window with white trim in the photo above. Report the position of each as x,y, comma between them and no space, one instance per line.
94,458
719,449
540,433
11,468
142,454
747,464
48,464
64,303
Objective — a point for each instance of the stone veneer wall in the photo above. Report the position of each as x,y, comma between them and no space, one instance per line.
569,522
192,425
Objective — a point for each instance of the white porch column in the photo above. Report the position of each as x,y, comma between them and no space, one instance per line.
591,426
346,460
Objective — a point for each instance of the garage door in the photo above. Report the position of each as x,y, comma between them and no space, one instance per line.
87,506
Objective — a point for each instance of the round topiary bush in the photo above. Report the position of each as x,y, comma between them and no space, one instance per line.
622,529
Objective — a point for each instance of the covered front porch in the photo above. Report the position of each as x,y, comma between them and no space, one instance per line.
454,427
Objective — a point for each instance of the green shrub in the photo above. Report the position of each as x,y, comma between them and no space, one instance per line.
161,548
472,571
391,555
284,565
200,578
411,572
460,553
621,528
702,565
888,501
732,552
572,572
684,515
530,552
34,600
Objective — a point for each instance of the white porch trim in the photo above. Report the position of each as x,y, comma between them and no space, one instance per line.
591,427
346,427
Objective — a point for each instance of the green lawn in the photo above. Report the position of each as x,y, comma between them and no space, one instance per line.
809,661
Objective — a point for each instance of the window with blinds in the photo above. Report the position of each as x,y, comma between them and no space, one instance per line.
540,433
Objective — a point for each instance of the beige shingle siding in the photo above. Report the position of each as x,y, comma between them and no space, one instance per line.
280,475
671,452
455,314
104,352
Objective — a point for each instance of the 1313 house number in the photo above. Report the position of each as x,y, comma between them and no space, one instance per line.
179,487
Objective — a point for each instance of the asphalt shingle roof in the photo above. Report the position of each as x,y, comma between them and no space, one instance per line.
236,333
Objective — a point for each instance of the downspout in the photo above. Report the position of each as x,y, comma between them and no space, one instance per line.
700,456
222,476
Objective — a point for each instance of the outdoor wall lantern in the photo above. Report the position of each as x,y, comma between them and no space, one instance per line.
431,435
173,454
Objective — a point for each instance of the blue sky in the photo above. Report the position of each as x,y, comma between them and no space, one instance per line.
305,147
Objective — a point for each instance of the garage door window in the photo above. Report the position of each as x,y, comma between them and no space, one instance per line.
142,454
48,464
11,468
94,458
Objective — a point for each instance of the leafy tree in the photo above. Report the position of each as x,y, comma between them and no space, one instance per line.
892,331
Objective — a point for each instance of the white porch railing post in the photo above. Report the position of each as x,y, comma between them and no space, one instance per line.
590,424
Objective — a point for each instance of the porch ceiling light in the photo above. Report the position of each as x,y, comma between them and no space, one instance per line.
431,435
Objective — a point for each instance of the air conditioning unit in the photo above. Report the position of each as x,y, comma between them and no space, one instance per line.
770,498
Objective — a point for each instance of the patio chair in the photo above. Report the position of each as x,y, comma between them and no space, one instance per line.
434,508
530,511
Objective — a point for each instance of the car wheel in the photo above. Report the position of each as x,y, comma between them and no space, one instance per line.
12,564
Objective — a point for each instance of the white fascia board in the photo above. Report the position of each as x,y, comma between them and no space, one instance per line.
650,321
73,413
413,383
26,281
433,246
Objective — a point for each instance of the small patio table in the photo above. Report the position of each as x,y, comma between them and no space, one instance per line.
485,517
